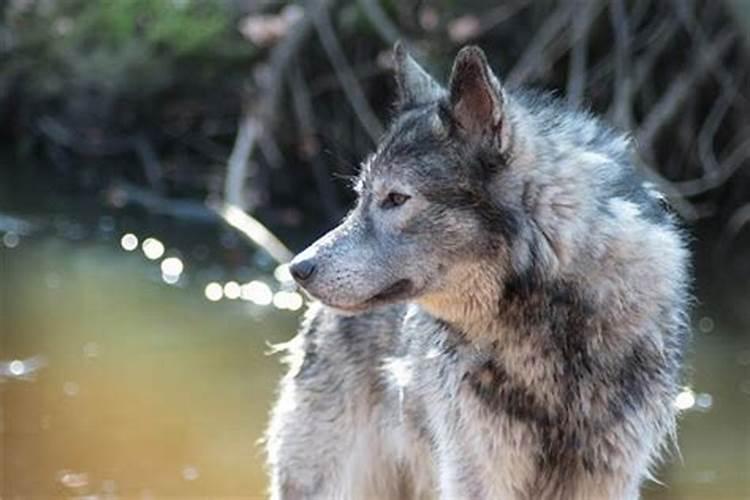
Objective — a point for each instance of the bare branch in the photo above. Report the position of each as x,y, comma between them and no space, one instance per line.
303,111
708,131
534,55
577,68
739,219
715,178
380,21
623,98
492,18
149,160
353,91
244,144
681,88
664,33
253,230
258,118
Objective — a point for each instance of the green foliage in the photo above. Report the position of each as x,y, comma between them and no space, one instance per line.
121,46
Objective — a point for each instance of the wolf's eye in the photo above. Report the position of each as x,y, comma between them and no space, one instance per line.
394,200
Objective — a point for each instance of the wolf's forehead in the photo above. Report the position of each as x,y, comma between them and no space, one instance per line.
408,148
410,130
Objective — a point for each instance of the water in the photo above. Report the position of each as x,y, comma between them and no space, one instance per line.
115,382
118,381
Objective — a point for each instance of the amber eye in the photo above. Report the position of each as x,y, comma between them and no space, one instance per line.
394,200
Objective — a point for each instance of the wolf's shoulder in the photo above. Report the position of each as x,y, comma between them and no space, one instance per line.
576,126
607,157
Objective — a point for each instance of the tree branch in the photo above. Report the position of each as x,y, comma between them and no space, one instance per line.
353,91
260,118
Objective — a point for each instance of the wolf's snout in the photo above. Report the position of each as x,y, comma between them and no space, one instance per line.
302,270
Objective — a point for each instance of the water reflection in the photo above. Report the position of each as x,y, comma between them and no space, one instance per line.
129,242
685,400
214,291
291,301
11,239
257,292
232,290
22,369
117,386
152,248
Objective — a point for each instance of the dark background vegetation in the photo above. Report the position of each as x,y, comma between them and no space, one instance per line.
163,110
137,95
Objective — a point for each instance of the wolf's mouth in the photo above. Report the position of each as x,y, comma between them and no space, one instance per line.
400,290
397,290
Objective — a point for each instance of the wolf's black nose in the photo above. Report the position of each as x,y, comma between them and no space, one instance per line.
302,270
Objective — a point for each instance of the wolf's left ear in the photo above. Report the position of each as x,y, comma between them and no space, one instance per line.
476,95
414,85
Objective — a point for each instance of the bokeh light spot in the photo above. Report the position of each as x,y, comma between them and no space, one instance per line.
232,290
190,473
71,389
704,401
172,265
282,275
291,301
11,239
214,292
706,324
129,242
257,292
685,400
90,349
153,248
72,479
17,367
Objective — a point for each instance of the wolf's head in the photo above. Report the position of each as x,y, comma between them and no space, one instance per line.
439,201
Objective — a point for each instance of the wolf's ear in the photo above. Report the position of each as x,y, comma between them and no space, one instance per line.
476,96
414,85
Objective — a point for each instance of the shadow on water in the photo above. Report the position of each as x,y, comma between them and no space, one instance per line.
119,379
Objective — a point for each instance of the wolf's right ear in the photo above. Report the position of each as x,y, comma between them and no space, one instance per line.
414,85
475,93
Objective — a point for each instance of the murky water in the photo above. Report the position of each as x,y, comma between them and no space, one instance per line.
122,377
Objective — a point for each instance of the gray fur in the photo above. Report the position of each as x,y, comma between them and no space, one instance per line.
514,330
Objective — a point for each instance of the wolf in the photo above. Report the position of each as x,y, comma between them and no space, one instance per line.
502,315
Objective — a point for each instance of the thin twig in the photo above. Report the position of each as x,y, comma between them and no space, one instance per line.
380,21
534,55
123,193
244,144
715,178
664,34
253,230
303,111
682,86
622,104
497,15
353,91
150,161
256,119
578,65
739,219
708,130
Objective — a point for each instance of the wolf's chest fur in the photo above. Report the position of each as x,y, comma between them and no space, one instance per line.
543,403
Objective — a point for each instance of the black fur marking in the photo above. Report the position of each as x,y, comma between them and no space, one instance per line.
310,365
561,448
561,322
492,385
634,382
629,187
497,220
522,284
